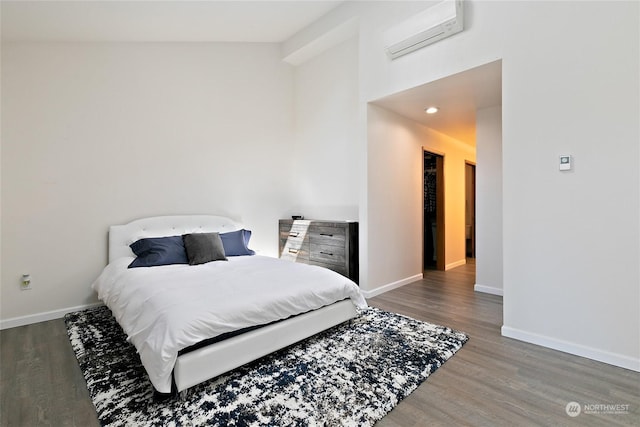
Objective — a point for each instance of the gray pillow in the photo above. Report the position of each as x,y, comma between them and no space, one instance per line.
203,247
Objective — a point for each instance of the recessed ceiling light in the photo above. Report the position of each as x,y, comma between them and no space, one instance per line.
431,110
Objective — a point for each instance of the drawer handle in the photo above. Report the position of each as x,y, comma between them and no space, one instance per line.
293,251
294,234
326,253
326,234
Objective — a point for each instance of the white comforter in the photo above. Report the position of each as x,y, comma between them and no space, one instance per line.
166,309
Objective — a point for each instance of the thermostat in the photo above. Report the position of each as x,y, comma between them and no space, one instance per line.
565,163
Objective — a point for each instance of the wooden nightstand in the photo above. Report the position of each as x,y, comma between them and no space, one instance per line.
330,244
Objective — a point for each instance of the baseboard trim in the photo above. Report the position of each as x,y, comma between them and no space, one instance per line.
386,288
14,322
573,348
455,264
488,290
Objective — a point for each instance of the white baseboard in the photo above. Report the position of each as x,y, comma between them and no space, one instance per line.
386,288
488,289
573,348
455,264
42,317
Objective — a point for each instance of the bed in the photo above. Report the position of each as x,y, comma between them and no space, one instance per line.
167,310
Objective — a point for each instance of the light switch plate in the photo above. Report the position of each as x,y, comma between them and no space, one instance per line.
565,163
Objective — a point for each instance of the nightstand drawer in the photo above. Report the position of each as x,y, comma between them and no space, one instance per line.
327,254
295,230
298,227
293,246
295,255
287,238
330,236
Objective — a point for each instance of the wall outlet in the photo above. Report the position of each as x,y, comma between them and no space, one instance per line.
25,283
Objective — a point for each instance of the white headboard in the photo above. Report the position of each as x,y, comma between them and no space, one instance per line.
121,236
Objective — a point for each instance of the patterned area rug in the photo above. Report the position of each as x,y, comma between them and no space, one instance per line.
352,374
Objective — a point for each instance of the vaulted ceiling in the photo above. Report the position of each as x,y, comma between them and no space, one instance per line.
162,21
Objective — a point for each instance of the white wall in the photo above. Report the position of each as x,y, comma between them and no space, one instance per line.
489,201
326,164
99,134
571,278
396,207
570,240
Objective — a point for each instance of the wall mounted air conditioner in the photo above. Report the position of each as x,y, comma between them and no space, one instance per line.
435,23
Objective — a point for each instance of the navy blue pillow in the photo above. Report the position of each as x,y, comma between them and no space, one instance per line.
156,251
236,243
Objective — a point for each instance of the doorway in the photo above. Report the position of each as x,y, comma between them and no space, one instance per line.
470,209
433,217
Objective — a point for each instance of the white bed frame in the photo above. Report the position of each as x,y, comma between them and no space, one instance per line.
207,362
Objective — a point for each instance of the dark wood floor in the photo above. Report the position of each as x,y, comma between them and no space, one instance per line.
491,381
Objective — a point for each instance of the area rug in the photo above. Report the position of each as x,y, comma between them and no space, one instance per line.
350,375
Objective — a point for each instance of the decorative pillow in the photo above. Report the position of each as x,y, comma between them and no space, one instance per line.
156,251
236,243
203,247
